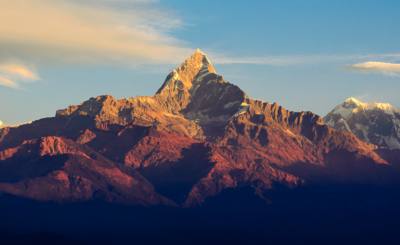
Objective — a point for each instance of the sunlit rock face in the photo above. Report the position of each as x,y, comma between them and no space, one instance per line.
193,100
376,123
197,136
182,82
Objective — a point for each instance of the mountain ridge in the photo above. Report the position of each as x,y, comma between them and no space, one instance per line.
197,136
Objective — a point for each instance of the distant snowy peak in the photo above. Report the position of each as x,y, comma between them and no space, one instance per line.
377,123
371,106
1,124
352,105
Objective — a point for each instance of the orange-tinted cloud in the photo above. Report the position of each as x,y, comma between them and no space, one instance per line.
78,31
376,66
11,75
6,82
18,70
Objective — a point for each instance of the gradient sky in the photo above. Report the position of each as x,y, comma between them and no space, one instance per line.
305,55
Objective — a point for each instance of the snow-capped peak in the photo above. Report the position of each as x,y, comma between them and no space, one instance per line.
1,124
353,105
374,122
352,100
348,107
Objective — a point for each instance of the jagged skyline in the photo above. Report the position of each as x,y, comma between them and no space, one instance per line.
291,53
137,137
198,132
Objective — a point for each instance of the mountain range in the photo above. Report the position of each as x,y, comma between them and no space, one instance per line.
195,138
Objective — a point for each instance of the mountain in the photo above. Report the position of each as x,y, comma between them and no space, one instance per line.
1,124
197,137
376,123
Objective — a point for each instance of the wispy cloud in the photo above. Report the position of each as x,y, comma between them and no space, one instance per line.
391,69
12,75
274,60
285,60
6,82
89,31
114,32
19,70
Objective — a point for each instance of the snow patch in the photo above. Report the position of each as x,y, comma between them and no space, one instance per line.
230,104
346,125
244,107
355,101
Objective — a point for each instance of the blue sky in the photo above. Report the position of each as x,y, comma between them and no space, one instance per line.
305,55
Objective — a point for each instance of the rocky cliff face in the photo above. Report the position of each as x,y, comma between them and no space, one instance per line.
196,137
376,123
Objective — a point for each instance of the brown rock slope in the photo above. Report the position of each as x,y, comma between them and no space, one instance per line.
197,136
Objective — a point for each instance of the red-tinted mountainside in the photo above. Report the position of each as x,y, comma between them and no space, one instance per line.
196,137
